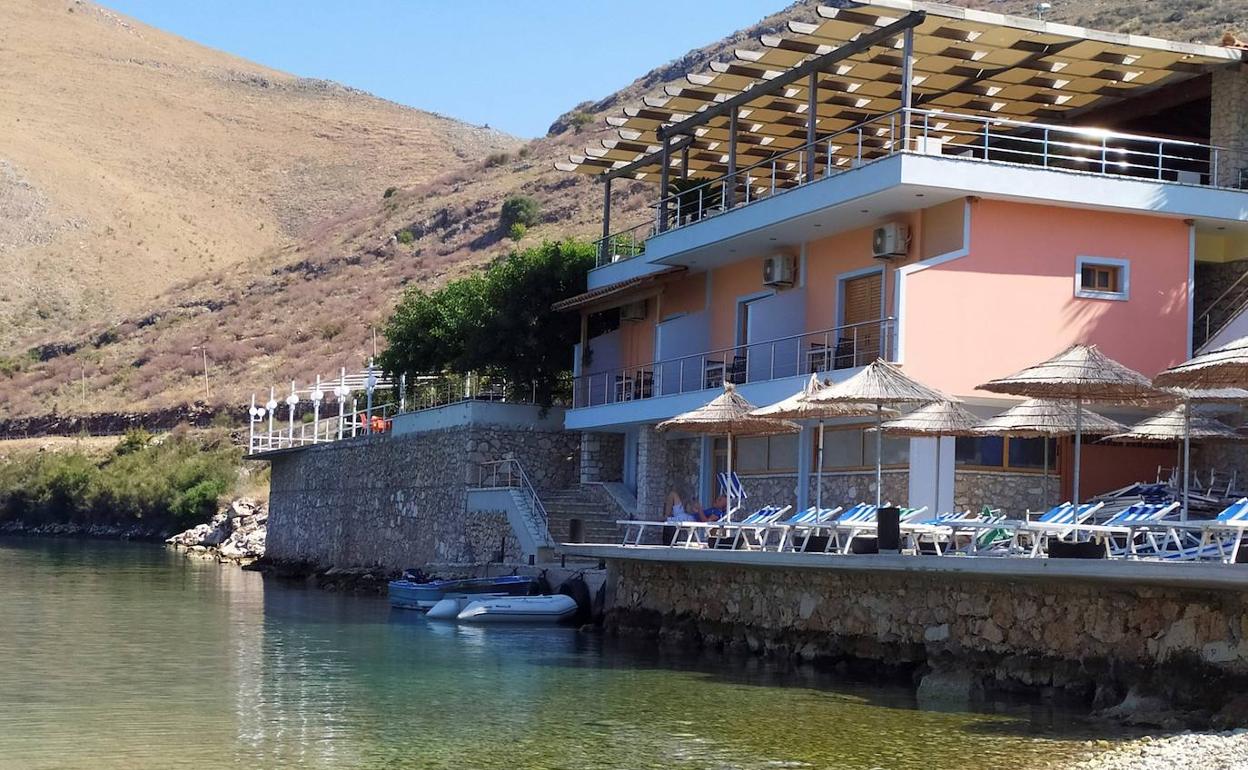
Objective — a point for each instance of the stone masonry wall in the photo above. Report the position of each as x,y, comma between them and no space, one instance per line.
400,500
1093,638
602,457
1012,493
653,482
1229,121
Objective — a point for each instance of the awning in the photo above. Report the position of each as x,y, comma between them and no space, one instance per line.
620,287
966,62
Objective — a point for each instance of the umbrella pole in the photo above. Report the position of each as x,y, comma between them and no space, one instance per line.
1078,444
1044,489
879,454
1187,454
819,471
936,502
728,486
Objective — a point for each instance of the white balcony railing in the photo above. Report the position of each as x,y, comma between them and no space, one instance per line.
930,132
843,347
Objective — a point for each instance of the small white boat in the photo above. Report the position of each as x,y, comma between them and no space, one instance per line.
520,609
449,607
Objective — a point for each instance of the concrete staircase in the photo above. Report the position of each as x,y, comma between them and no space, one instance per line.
597,511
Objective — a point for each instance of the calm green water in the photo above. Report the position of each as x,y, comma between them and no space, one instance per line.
128,656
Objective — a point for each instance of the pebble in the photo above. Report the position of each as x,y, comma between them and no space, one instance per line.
1207,751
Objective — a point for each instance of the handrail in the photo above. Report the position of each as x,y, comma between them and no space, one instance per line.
622,244
492,469
840,347
1207,316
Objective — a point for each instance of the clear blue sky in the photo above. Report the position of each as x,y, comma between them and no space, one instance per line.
515,65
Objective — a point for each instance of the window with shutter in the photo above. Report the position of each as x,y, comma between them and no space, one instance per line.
858,342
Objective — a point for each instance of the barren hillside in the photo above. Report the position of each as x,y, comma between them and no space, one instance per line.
307,307
131,159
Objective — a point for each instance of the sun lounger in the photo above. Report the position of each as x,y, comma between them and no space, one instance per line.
801,523
845,530
943,530
1028,536
1216,539
727,534
857,515
1121,533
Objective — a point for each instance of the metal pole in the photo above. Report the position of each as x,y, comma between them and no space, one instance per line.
1187,454
664,159
936,501
251,425
879,453
730,194
370,383
1078,445
819,471
907,85
1044,489
204,350
604,251
812,117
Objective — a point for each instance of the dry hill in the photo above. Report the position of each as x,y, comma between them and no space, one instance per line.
307,307
131,159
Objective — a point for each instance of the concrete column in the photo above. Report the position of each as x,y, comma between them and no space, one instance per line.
805,467
924,472
652,473
1229,123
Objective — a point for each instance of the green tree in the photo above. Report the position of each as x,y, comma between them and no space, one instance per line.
519,209
499,323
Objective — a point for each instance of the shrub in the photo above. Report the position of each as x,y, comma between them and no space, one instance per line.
519,209
495,159
405,237
389,191
579,120
516,231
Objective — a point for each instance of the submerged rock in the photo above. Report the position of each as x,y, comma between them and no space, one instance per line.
236,534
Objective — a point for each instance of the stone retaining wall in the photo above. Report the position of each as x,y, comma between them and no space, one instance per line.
1013,493
1094,640
400,500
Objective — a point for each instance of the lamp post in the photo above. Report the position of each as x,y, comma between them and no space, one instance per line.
370,385
291,401
272,407
317,396
341,392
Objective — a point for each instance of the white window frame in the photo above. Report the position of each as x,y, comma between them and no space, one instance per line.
1124,277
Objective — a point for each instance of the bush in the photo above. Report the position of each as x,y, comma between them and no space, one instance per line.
405,237
579,120
519,209
389,191
497,159
517,231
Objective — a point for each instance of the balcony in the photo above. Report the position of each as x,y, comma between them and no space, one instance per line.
931,134
829,350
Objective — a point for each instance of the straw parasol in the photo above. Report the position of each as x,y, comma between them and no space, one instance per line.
799,407
1078,373
1206,396
1045,418
938,419
728,414
879,384
1222,367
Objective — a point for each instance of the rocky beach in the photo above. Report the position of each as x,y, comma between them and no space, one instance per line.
236,534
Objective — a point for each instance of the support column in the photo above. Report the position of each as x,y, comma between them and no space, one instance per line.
604,255
730,192
665,158
812,118
907,85
652,476
1228,124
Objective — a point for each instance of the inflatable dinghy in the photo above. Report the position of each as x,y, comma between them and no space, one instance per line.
449,607
520,609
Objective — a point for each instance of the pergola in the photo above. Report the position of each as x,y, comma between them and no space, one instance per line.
877,58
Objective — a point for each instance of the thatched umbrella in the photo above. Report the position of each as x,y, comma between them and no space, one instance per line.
1078,373
728,414
1222,367
1180,425
1045,418
879,384
799,407
939,419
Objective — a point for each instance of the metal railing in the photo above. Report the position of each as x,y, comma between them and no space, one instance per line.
933,132
1221,311
292,431
509,474
842,347
623,245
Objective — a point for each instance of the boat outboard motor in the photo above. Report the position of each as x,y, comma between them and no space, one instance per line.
575,588
415,575
541,587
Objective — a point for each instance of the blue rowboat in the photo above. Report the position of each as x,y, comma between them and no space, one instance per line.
410,595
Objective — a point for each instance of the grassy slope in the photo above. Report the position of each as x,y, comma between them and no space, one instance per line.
307,307
131,159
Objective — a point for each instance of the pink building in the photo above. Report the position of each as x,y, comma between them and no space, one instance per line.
959,192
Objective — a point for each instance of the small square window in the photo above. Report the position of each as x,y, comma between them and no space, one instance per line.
1101,279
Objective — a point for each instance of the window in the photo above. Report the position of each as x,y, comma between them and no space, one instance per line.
760,454
855,448
1102,278
1016,454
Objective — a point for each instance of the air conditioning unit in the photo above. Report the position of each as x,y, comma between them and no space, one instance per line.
890,240
778,270
633,311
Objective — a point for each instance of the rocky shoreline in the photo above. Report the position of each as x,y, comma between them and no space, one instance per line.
236,535
1208,751
137,532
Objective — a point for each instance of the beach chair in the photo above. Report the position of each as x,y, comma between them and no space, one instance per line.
938,532
697,532
1216,539
1121,533
855,518
845,530
731,487
1057,522
801,523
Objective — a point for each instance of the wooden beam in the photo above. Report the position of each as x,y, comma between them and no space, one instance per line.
645,160
794,74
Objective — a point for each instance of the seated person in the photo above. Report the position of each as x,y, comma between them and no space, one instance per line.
676,511
717,510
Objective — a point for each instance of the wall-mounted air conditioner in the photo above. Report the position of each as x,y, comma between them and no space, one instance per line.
779,271
633,311
890,241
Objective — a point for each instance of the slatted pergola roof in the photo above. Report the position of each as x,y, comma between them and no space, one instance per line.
965,61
